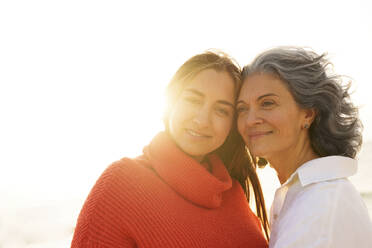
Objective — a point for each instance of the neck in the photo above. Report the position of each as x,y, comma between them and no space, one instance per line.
288,161
204,161
200,159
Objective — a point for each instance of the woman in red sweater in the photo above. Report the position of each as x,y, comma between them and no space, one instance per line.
179,192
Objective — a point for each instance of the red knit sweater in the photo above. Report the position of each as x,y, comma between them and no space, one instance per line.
164,198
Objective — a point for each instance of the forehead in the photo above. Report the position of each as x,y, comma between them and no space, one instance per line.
213,83
257,85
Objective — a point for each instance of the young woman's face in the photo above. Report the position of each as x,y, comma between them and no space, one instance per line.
202,117
269,120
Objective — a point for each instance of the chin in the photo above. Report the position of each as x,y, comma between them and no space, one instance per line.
194,153
258,153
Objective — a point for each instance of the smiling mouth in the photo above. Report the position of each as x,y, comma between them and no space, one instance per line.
257,135
196,134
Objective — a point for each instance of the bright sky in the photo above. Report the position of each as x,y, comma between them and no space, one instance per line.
81,82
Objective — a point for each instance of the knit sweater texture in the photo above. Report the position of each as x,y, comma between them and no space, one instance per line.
164,198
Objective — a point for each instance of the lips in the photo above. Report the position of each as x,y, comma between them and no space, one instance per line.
258,134
197,134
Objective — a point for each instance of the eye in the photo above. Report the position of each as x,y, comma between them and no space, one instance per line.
193,100
241,109
222,111
267,103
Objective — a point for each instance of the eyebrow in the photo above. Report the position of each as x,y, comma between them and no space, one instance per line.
260,97
196,92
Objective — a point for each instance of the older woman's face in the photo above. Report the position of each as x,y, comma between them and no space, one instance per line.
269,120
201,119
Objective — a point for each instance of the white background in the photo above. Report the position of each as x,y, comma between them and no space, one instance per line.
82,82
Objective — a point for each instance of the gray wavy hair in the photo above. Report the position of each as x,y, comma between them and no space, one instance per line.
337,129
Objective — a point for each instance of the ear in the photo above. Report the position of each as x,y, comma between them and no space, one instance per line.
309,117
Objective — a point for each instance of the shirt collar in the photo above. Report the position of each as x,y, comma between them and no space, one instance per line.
323,169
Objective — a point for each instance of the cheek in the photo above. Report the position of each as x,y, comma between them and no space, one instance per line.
222,126
286,124
178,114
240,125
175,118
180,118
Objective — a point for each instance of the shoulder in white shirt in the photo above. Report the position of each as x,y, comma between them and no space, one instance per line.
318,207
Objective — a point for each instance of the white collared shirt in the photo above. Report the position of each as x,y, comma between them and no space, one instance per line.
318,207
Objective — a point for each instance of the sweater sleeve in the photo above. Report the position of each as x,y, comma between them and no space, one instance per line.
101,222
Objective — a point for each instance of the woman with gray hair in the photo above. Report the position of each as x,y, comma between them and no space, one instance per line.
295,113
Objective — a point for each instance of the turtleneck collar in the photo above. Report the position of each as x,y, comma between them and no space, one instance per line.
187,176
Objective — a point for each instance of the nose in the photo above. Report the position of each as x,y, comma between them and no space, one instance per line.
251,118
202,117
